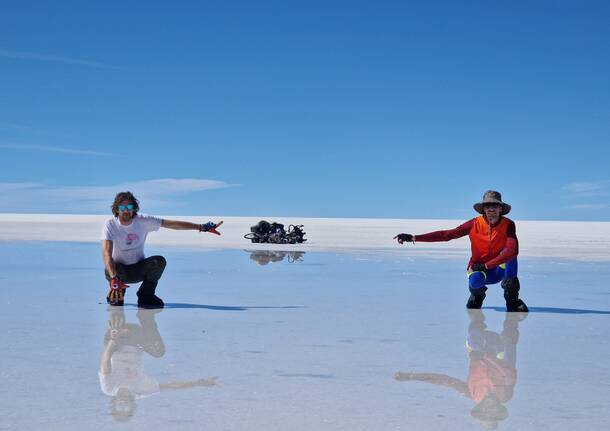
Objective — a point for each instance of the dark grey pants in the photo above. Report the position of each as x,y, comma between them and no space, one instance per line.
148,271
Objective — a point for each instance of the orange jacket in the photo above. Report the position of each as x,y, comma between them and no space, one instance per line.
491,245
487,241
490,375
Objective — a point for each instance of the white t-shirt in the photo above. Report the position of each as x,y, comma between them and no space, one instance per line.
128,241
127,371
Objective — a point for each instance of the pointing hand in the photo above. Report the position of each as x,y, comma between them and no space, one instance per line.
210,227
404,237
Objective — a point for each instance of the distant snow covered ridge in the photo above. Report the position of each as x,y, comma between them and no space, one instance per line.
589,241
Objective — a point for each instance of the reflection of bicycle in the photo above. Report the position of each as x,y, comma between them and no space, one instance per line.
121,372
264,257
492,373
295,256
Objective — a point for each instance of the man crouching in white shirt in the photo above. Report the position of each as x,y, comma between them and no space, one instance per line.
123,238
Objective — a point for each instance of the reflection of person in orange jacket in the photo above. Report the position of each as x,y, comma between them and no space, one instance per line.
494,246
492,373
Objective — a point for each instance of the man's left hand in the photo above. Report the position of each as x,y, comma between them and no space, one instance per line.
478,267
210,227
404,237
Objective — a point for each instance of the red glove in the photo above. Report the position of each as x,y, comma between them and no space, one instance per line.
116,283
210,227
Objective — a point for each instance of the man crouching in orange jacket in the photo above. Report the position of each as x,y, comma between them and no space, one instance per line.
494,246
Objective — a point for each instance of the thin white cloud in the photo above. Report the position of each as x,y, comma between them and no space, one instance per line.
13,126
26,55
52,149
587,195
587,188
586,207
154,195
14,187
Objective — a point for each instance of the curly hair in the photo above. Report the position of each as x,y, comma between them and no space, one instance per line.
124,196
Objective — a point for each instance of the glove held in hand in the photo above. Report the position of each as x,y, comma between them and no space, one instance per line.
478,267
116,283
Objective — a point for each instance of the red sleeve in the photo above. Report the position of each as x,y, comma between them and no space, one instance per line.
510,251
446,235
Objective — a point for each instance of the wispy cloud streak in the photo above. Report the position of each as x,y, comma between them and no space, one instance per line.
588,206
155,195
25,55
587,195
52,149
587,189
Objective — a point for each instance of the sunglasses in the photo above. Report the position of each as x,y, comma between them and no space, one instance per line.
126,207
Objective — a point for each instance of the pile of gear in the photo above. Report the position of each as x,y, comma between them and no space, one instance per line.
274,233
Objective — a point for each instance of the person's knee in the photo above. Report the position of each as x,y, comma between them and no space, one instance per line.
159,262
476,280
512,268
154,267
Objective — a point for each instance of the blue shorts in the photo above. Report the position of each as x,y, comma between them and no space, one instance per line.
478,279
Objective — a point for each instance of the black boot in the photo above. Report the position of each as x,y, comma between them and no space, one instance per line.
476,298
153,271
511,295
147,297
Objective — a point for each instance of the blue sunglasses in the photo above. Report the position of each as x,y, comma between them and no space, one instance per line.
126,207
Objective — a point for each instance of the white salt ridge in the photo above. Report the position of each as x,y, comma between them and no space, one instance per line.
589,241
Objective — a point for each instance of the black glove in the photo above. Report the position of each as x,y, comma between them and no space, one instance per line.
404,237
478,267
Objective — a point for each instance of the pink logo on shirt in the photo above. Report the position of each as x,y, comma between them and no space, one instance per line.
131,238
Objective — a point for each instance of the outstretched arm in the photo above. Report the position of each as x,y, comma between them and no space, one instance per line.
186,225
190,384
180,225
435,379
437,236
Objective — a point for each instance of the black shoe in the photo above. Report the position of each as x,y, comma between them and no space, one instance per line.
476,299
517,306
150,301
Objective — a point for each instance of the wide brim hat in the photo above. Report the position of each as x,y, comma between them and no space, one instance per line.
492,197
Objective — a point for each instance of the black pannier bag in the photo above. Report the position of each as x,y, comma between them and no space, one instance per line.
274,233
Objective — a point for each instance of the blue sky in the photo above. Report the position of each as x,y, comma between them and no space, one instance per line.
314,109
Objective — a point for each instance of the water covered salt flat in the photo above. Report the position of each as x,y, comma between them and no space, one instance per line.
299,340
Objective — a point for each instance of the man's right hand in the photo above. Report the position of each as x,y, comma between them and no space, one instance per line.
404,237
116,294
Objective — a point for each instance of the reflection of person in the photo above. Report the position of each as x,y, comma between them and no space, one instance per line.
123,238
493,369
121,366
494,245
264,257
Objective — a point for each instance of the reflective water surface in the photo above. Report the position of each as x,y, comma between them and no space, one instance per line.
311,341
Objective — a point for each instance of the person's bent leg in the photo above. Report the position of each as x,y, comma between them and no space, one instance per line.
476,285
511,286
152,270
150,339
